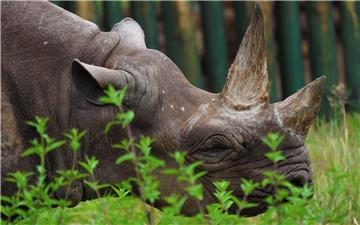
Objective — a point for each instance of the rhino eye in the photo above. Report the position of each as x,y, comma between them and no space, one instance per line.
217,148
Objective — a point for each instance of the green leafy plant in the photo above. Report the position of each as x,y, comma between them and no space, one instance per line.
137,152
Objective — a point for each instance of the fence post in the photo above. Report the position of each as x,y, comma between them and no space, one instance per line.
350,32
145,14
181,39
85,10
216,63
58,3
70,6
322,47
112,13
243,10
98,13
92,11
290,54
268,8
173,44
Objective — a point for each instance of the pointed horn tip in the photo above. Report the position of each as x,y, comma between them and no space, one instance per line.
257,11
317,82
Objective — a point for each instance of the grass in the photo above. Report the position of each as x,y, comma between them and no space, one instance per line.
335,154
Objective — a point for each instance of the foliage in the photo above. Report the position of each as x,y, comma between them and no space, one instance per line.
334,150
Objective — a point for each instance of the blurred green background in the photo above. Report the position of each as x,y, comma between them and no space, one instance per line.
305,40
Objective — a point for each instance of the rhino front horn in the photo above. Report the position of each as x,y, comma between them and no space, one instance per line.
298,111
247,81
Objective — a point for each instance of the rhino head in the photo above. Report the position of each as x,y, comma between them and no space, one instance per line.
223,130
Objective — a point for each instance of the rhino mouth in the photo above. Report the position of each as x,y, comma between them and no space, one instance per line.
297,178
295,169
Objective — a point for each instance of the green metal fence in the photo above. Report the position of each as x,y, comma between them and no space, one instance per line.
305,40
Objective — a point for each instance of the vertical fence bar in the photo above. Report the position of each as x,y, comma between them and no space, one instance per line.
268,8
70,6
173,43
180,38
322,47
85,10
216,63
92,11
58,3
350,32
289,39
187,31
98,13
243,10
145,14
112,14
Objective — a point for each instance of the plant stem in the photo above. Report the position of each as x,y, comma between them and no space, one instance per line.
102,202
67,189
136,163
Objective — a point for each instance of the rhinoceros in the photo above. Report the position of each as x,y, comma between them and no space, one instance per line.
56,64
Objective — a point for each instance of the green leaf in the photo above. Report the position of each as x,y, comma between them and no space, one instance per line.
110,125
95,185
124,144
90,164
145,145
125,118
196,191
275,156
75,136
273,140
105,100
7,199
126,157
54,145
170,171
247,186
29,151
196,176
190,168
71,174
179,157
112,96
121,192
39,124
19,178
221,185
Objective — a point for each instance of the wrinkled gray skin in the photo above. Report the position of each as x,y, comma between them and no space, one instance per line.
55,64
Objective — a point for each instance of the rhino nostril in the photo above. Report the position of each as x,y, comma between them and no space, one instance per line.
298,180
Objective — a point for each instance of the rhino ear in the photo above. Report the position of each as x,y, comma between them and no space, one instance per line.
298,111
247,81
130,33
90,80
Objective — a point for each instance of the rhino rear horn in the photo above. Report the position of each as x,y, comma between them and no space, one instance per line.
247,81
90,80
130,33
298,111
